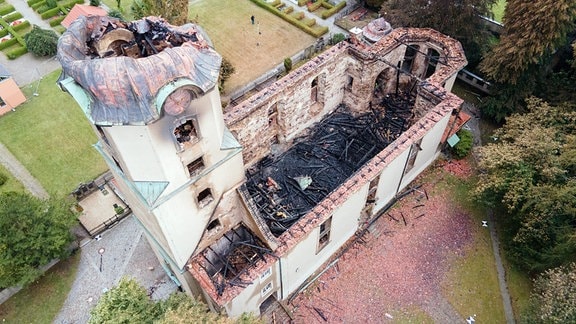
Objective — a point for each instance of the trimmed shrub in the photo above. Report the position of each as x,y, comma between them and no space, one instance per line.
333,10
52,3
316,32
38,5
275,3
8,43
314,6
60,29
463,147
327,5
6,10
21,26
310,22
2,1
50,13
299,15
13,16
302,2
31,2
288,10
3,32
3,178
56,21
17,52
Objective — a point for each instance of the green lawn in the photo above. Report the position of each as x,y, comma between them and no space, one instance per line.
11,184
498,10
252,49
52,138
41,301
472,284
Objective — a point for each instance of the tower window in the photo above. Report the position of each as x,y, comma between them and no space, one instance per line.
205,197
186,133
314,90
409,56
196,167
213,224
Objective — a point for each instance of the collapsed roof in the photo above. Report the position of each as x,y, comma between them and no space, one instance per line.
123,66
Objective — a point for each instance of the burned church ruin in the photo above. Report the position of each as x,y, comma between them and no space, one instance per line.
244,206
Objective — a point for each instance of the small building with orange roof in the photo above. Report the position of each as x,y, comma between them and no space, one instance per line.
82,10
10,94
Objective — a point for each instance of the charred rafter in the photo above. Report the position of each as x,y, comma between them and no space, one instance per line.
286,188
232,256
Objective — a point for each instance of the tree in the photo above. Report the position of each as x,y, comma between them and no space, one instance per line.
533,30
459,19
553,299
41,42
226,71
530,173
129,303
174,11
32,233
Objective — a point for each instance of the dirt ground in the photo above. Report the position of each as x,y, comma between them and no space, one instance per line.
399,266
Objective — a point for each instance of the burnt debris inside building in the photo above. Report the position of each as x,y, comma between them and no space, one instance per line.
285,188
135,39
229,258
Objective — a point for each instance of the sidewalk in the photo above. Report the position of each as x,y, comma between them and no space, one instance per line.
126,253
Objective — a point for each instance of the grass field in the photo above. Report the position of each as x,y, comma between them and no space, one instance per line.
51,137
11,184
41,301
252,49
472,284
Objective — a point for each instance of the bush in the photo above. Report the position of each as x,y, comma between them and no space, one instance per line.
21,26
8,43
50,13
333,10
288,64
6,10
56,21
41,42
95,3
463,147
17,52
302,2
13,16
288,10
337,38
52,3
310,22
3,178
3,32
275,3
115,13
299,15
314,6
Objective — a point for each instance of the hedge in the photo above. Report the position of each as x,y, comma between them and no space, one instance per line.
299,15
3,32
302,2
39,4
31,2
333,10
288,10
17,52
2,1
310,22
60,29
13,16
6,10
314,6
50,13
317,32
275,3
21,26
8,43
56,21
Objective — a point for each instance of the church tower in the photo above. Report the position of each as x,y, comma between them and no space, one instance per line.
150,91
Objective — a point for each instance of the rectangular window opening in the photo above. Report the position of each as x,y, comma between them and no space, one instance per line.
205,197
414,149
324,236
196,167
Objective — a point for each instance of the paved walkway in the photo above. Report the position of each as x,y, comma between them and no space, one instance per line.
126,253
19,171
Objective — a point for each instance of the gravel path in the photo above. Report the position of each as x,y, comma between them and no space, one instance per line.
19,171
126,253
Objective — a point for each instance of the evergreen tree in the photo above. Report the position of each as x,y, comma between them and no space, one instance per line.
533,30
